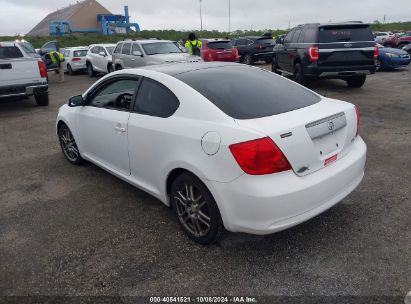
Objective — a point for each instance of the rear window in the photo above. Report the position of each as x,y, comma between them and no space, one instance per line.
81,53
27,47
266,41
338,34
247,92
220,45
10,52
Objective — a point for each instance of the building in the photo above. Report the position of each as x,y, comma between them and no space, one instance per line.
81,16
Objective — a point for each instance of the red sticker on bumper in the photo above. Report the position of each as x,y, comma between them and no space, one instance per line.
330,160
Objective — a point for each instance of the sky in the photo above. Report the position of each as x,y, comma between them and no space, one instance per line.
19,16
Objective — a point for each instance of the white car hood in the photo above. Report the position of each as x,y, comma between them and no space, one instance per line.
169,58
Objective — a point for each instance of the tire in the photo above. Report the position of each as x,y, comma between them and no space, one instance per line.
268,60
356,81
42,100
299,74
274,66
195,209
110,68
380,66
248,59
118,67
90,70
70,70
68,146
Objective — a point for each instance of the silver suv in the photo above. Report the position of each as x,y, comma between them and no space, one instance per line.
138,53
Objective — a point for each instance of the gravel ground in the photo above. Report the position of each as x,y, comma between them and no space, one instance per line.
79,231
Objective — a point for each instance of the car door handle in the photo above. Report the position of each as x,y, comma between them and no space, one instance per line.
120,129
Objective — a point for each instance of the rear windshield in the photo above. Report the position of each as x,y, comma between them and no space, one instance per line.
10,52
338,34
81,53
248,92
266,41
27,47
220,45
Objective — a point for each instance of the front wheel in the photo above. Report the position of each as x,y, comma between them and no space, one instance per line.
274,66
90,70
195,209
69,146
110,68
42,100
248,59
299,74
379,65
70,70
356,81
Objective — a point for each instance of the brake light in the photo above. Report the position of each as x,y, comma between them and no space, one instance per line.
259,157
42,68
75,59
260,46
375,52
237,55
357,113
313,54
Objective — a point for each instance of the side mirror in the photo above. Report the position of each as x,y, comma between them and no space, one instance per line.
137,53
102,54
76,101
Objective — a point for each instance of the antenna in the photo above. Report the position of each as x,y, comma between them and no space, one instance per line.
201,16
229,16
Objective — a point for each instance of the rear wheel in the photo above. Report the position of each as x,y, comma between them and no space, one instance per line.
248,59
110,68
69,146
90,70
195,209
379,65
299,74
268,60
70,70
42,100
118,67
356,81
274,66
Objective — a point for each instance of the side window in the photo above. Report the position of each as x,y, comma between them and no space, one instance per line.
117,95
289,37
234,42
136,48
241,42
310,35
118,48
154,99
126,49
296,36
249,42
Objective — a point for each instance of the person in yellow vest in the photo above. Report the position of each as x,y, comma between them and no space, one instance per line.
57,58
193,45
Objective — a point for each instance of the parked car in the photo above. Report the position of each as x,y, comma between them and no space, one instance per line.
226,145
99,59
392,41
390,58
48,47
407,48
404,40
252,49
381,36
333,50
21,74
138,53
218,50
75,59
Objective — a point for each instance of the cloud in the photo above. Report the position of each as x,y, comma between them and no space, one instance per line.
20,16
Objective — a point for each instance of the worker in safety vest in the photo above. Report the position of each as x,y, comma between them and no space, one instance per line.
193,45
57,58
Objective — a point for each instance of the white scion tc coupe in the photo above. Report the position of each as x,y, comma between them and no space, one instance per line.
225,145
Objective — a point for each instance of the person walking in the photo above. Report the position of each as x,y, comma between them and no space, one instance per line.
57,58
193,45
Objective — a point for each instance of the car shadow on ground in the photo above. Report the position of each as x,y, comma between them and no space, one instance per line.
17,104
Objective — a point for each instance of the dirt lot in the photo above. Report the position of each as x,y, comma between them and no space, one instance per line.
67,230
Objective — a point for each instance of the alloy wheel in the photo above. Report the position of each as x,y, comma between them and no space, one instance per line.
68,144
192,210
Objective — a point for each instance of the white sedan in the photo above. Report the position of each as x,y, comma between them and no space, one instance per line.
225,145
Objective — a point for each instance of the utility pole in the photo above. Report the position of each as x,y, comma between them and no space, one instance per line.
229,16
201,17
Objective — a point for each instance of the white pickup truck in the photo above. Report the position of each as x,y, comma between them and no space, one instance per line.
22,73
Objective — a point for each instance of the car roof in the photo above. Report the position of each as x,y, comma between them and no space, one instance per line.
102,44
145,41
174,69
348,23
215,40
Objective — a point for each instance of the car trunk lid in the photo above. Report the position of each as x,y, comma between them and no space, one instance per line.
313,137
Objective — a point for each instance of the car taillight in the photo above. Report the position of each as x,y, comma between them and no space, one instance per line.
42,68
237,55
75,59
375,52
260,46
259,157
313,54
357,113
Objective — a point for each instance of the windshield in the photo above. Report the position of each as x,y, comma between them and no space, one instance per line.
160,48
110,49
248,93
27,47
81,53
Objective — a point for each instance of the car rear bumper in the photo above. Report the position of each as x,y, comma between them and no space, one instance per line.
338,71
271,203
23,90
263,55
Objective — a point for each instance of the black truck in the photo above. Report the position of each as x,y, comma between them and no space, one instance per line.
344,51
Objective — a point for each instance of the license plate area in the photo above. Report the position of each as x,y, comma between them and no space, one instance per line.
326,125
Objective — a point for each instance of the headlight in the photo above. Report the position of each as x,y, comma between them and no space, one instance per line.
391,55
